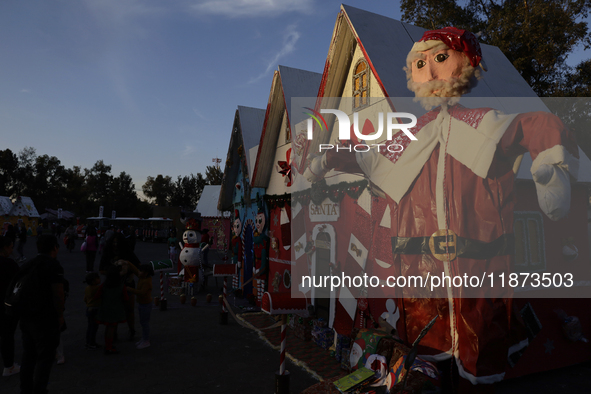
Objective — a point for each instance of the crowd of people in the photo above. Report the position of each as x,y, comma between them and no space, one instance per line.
34,294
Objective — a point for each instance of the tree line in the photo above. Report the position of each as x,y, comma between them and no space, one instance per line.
82,191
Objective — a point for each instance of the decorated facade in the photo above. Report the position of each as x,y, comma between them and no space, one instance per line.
215,221
237,194
273,169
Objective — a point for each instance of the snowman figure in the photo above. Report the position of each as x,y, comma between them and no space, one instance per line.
190,255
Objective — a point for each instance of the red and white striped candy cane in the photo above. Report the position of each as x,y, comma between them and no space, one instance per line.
225,294
283,344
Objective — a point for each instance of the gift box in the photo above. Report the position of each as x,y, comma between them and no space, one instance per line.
319,323
345,363
301,328
175,290
175,281
323,336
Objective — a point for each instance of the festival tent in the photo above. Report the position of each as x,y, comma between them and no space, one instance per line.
53,214
5,205
215,221
236,192
24,211
348,216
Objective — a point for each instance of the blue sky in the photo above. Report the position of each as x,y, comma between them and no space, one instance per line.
149,86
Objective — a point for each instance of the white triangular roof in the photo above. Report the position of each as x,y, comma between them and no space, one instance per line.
251,125
5,205
208,202
24,206
288,83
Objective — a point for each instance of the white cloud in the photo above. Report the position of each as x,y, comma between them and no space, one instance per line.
251,8
198,113
290,38
188,151
123,9
25,91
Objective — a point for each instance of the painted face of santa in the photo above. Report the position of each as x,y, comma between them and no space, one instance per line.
259,222
438,65
237,227
442,66
440,72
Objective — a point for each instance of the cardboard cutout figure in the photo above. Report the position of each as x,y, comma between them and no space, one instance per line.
236,247
261,254
452,201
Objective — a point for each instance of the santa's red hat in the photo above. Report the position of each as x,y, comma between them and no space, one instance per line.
456,39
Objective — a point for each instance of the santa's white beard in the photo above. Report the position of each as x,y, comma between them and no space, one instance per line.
435,93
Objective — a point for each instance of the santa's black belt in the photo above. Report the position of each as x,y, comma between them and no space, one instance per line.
456,246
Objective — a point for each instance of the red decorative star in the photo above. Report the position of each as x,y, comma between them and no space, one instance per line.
284,168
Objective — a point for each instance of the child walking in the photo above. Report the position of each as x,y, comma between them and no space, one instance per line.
93,281
144,300
112,309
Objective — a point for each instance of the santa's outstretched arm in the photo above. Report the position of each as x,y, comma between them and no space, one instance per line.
343,160
555,156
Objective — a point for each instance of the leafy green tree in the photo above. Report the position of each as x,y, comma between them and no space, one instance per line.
123,196
158,189
187,191
25,172
8,172
99,182
213,175
48,183
76,194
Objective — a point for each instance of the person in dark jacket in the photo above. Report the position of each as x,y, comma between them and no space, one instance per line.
8,268
42,318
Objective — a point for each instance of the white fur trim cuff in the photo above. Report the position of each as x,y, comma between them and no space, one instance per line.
557,155
490,379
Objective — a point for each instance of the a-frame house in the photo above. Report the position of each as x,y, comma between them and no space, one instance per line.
236,192
273,169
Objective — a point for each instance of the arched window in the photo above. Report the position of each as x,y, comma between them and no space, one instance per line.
360,84
530,254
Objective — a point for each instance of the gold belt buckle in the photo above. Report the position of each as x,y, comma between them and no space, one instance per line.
443,245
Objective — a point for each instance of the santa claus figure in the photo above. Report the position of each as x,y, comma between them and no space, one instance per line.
261,254
236,247
451,201
190,255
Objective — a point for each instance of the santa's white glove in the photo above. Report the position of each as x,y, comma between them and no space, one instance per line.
317,169
553,188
